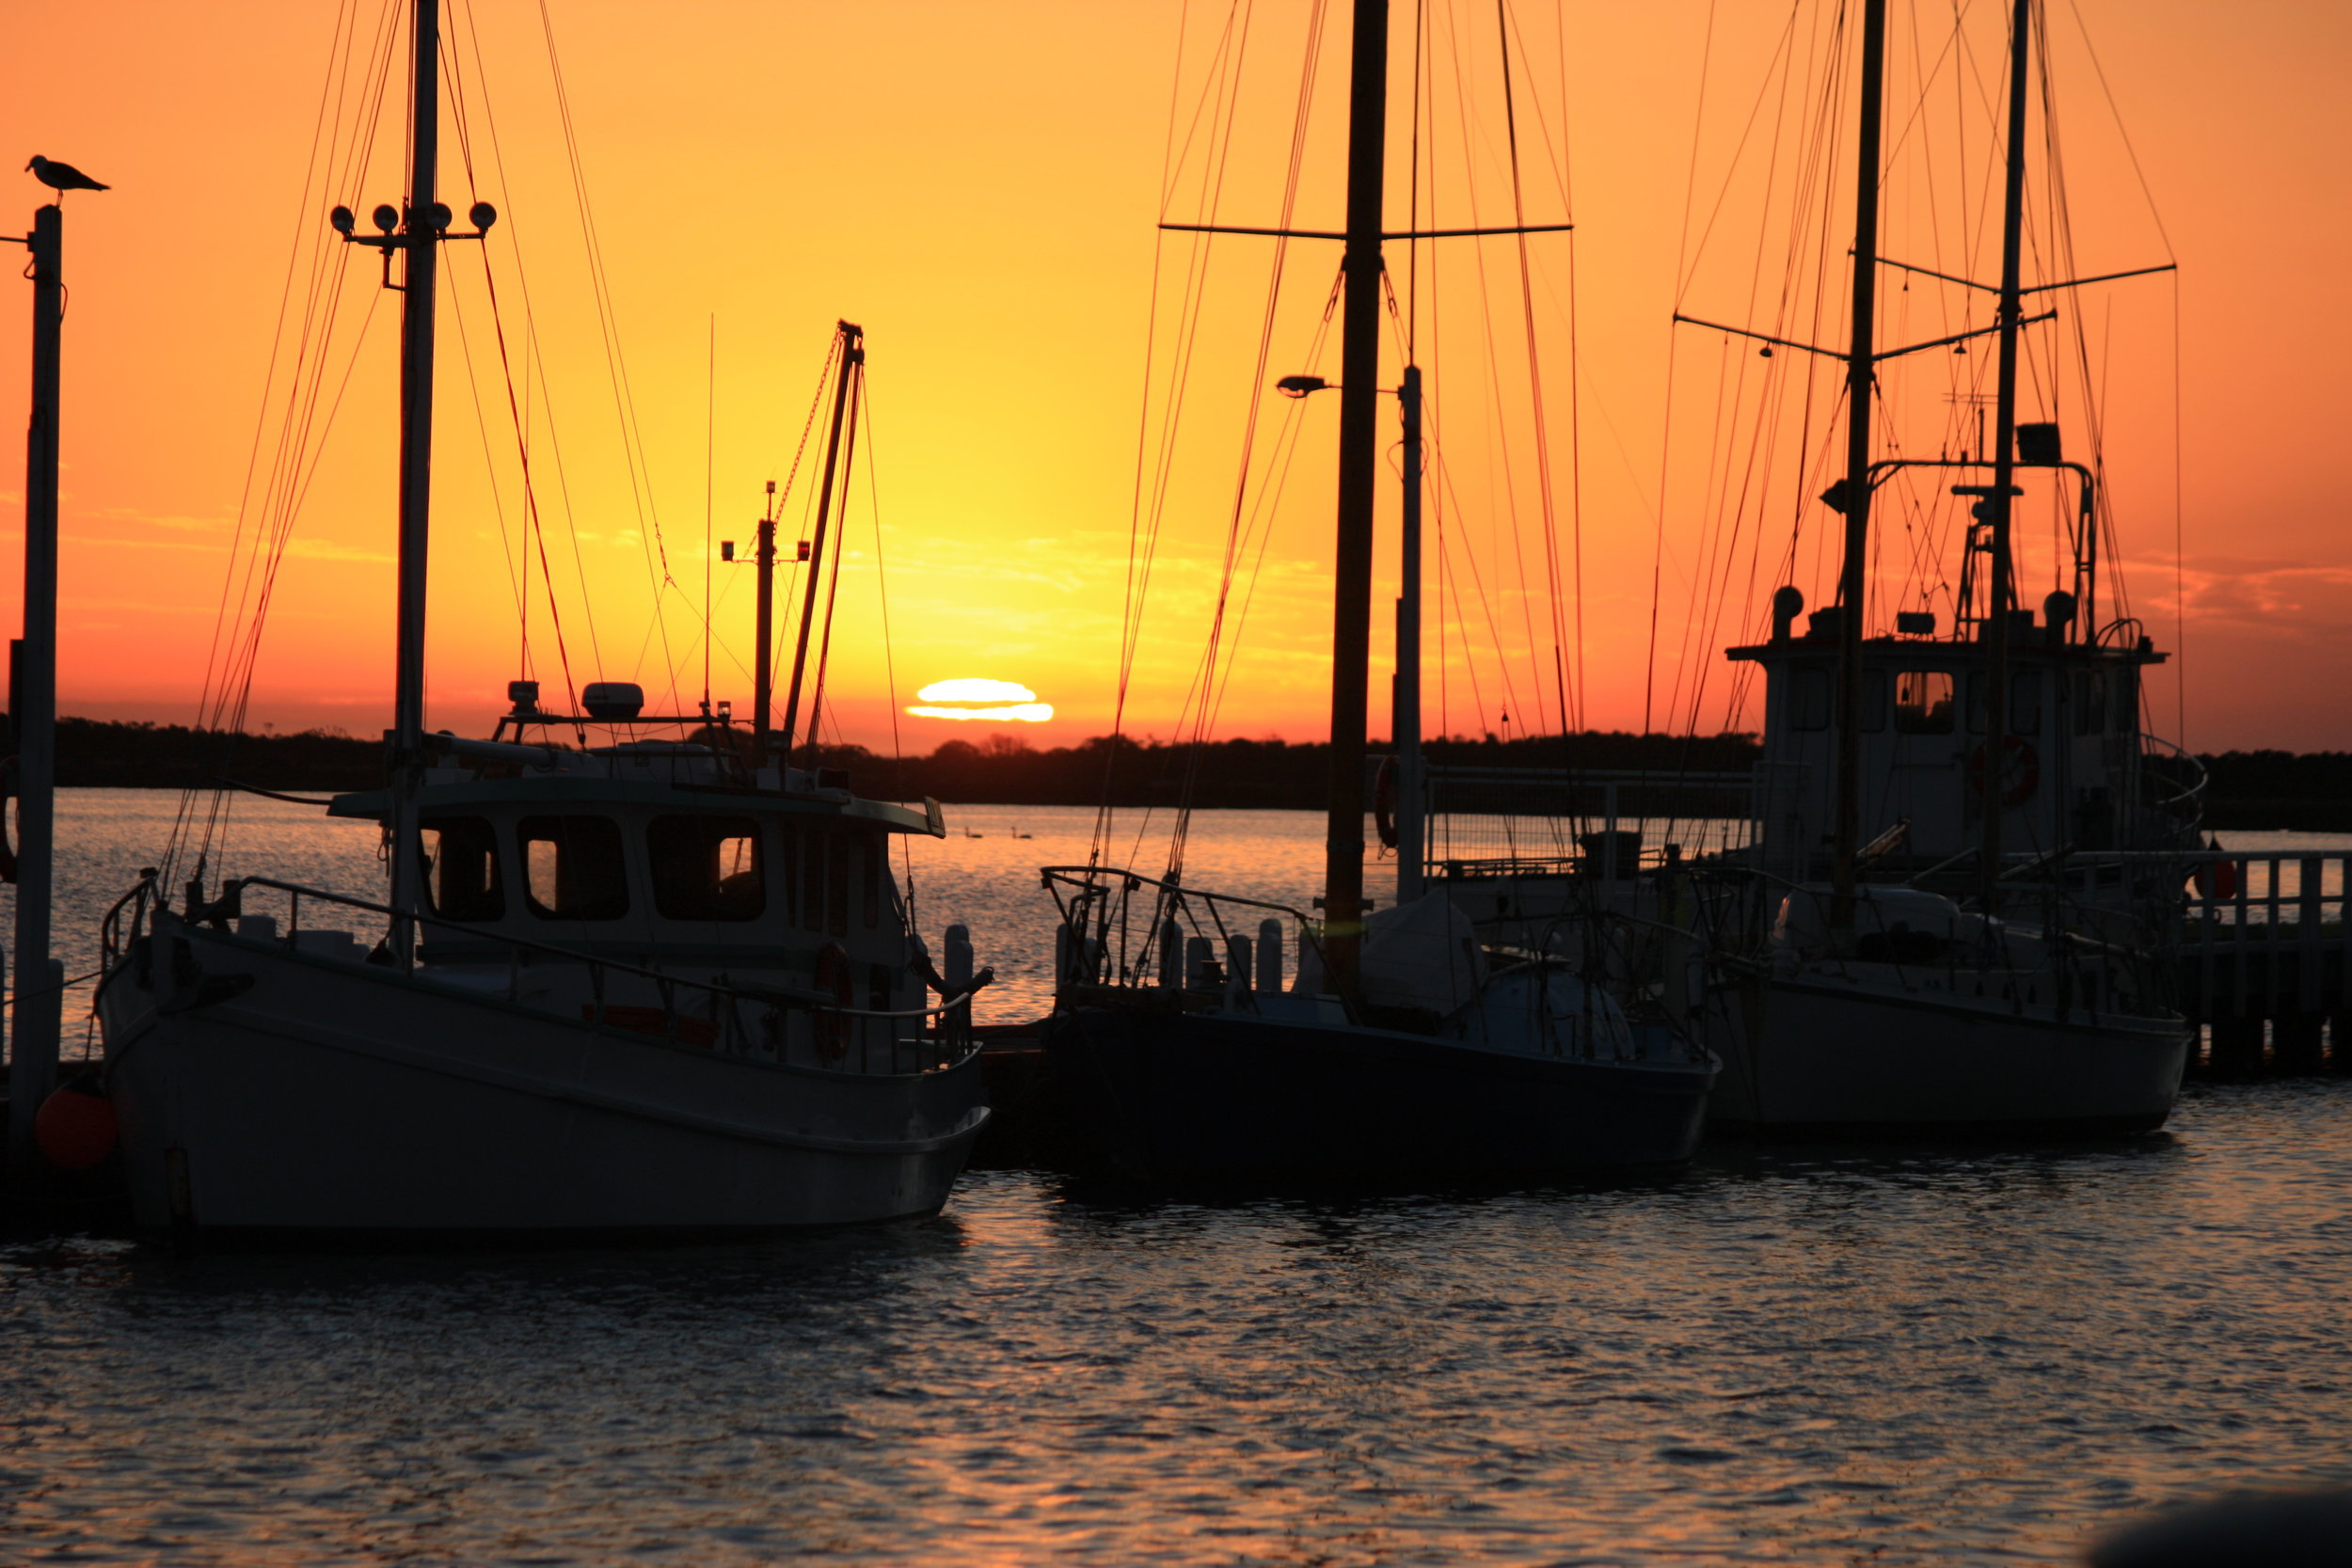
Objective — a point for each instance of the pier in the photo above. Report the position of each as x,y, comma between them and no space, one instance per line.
2265,962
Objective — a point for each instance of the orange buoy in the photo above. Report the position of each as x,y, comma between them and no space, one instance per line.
75,1127
2216,880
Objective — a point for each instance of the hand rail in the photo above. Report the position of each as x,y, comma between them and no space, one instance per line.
233,893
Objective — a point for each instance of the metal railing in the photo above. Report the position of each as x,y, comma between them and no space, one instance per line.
1099,907
736,1019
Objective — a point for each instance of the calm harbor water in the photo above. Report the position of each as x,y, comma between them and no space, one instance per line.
1803,1355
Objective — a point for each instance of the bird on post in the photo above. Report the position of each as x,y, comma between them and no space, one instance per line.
62,177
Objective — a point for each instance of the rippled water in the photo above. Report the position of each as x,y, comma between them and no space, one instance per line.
1801,1356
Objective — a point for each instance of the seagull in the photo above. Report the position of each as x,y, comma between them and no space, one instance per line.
62,177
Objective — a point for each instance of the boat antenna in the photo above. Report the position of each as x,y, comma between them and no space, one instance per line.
710,446
1852,494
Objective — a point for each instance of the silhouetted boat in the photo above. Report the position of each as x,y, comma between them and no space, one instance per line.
1405,1048
664,984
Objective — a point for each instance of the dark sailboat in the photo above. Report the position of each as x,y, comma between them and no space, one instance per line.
1403,1048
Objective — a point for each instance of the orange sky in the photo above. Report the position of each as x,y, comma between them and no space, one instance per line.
977,185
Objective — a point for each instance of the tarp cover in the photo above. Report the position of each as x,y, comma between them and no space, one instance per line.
1424,953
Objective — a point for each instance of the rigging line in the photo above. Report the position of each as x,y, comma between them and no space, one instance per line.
516,574
531,356
881,595
1494,387
2180,589
856,372
1256,404
533,526
711,450
781,633
616,364
1146,524
1665,445
1535,392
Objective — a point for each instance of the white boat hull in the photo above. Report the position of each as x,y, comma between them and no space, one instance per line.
1820,1056
333,1096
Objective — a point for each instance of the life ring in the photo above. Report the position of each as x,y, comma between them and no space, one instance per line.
2215,878
8,839
832,974
1384,802
2020,762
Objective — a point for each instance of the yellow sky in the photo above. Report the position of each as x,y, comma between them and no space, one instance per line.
977,185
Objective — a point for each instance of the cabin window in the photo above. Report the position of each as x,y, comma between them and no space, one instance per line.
1873,700
1923,701
2024,702
706,868
1808,698
2091,702
2123,701
876,866
461,856
573,867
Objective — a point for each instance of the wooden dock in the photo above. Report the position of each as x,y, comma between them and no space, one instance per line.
2264,963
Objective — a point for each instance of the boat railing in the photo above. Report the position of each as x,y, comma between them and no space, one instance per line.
1186,942
1612,824
2180,768
705,1014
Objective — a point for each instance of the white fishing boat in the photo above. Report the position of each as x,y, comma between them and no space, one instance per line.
1967,848
634,973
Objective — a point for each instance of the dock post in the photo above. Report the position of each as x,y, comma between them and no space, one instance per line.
34,1021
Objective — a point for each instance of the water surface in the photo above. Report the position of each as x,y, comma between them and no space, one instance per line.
1812,1355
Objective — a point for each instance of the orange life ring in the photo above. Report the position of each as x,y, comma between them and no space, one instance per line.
2020,762
2215,878
832,974
1384,802
7,840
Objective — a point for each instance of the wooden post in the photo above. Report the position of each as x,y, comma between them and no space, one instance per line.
33,1055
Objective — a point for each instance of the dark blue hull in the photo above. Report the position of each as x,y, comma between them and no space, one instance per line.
1214,1099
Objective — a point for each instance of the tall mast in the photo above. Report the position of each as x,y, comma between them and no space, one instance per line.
763,655
421,234
1993,773
1351,607
1404,709
852,357
1860,364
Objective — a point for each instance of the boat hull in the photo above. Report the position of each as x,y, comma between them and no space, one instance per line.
264,1091
1192,1099
1805,1058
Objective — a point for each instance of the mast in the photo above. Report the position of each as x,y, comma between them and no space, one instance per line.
763,655
1351,607
852,356
1855,488
1406,707
2004,456
421,237
33,1045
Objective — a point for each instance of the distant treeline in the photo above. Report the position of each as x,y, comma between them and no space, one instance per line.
2248,790
2311,791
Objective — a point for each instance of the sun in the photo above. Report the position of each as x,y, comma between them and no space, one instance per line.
971,698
